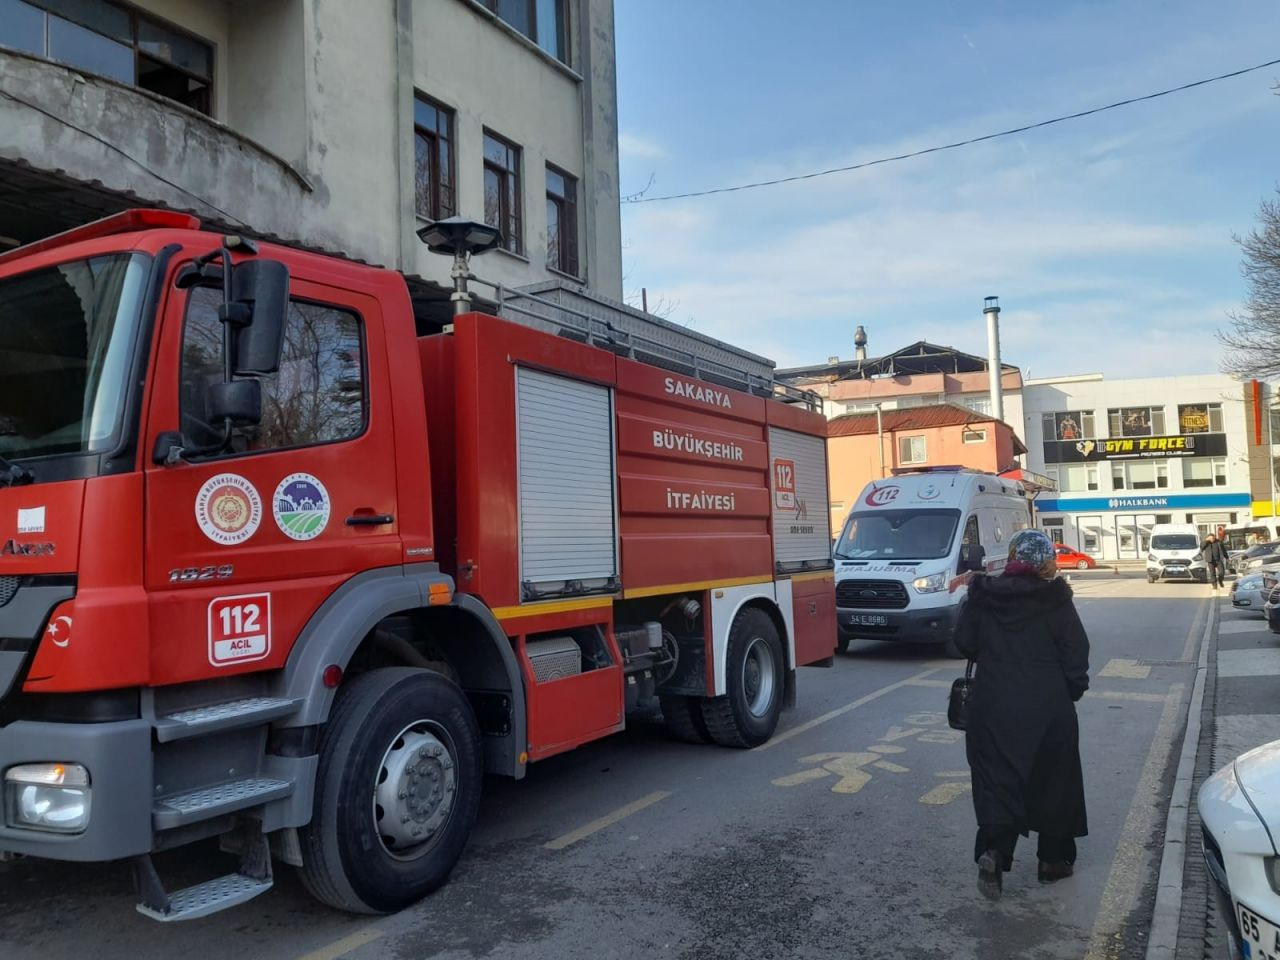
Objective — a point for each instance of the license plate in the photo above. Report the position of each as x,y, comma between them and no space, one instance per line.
1173,569
1260,940
868,620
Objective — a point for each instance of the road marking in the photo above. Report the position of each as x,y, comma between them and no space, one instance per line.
1125,670
945,793
941,684
891,767
841,711
1125,877
1126,695
846,767
608,820
340,948
1194,631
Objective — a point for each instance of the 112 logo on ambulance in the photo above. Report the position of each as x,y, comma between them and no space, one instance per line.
239,629
784,484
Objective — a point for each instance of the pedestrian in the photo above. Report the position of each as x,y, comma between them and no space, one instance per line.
1022,739
1215,559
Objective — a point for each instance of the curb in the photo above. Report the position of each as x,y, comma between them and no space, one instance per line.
1167,912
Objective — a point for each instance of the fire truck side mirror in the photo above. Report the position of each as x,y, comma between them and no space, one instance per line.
239,401
263,287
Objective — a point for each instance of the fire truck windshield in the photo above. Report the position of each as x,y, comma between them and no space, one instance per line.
67,336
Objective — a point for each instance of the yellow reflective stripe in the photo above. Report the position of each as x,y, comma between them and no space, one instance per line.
820,575
552,606
695,586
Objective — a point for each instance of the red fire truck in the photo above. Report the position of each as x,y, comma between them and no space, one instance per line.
279,570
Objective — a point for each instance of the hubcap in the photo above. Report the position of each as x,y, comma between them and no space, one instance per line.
415,791
758,677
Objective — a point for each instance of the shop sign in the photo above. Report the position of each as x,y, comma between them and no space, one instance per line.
1193,419
1137,448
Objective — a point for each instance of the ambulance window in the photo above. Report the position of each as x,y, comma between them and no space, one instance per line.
971,531
317,396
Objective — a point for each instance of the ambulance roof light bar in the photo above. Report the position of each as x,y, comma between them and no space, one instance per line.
124,222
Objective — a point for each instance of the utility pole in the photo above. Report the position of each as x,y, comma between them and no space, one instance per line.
880,435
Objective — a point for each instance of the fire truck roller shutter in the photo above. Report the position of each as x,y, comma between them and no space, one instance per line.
801,506
568,533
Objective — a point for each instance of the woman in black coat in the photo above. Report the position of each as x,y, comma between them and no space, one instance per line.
1022,741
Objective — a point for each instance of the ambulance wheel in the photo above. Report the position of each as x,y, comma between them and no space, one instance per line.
842,643
397,791
682,716
754,676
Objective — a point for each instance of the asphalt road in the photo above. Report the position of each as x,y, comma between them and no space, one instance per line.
847,835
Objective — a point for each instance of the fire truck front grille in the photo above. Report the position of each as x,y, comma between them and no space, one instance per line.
871,595
8,587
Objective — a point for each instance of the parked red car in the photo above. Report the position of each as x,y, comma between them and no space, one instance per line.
1073,558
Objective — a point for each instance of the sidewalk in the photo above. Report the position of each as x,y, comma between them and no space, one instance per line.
1240,711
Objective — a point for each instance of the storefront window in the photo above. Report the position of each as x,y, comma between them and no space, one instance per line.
1069,425
1136,421
1200,418
1204,472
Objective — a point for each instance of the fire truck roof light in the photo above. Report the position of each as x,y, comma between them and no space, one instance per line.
125,222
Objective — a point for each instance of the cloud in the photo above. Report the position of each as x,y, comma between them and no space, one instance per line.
633,146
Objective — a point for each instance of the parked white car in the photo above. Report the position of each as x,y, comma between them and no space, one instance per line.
1240,813
1251,591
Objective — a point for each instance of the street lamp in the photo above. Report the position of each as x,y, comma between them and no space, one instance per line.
459,238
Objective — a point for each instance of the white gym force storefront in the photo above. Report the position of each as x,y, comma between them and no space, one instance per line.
1128,454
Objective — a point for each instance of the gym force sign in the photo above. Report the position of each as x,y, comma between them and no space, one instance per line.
1136,448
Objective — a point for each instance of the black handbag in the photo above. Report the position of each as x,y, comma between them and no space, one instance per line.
961,697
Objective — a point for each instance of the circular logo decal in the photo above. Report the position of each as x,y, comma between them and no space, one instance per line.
931,492
301,506
882,495
228,509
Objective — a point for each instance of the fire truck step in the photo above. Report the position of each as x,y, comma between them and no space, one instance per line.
234,714
180,809
208,897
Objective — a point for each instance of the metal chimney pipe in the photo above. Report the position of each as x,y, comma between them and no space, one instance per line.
991,310
860,344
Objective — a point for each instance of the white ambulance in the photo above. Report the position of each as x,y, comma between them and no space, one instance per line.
907,544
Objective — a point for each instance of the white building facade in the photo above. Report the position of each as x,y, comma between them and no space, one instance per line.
1128,454
336,126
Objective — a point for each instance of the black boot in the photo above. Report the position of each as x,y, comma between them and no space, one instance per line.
991,874
1056,870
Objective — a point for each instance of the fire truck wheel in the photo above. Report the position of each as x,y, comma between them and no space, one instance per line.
748,714
397,791
682,717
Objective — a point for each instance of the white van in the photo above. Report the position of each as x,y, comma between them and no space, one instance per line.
908,541
1175,553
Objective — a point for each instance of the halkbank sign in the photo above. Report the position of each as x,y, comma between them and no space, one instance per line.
1143,504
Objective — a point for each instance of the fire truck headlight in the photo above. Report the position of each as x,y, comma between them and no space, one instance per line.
930,584
47,796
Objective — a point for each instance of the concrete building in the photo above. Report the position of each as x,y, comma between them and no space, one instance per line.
862,447
922,374
1128,454
337,126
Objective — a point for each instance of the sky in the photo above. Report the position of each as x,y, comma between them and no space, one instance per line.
1109,240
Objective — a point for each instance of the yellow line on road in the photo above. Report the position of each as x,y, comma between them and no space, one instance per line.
608,820
841,711
1125,670
1125,879
930,683
1126,695
340,948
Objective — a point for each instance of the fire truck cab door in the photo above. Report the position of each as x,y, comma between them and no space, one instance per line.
244,544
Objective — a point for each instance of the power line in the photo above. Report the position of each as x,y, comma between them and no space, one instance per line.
639,198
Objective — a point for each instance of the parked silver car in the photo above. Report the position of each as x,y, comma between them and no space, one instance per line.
1252,590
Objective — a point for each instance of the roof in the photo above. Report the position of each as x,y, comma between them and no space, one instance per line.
919,357
915,418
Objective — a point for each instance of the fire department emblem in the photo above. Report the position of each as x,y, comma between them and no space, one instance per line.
301,506
228,509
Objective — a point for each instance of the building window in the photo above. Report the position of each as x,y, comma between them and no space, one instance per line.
911,450
1069,425
859,408
1075,477
926,400
502,190
978,404
1140,475
433,146
562,221
1204,472
317,395
975,436
1200,418
114,41
1136,421
545,22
